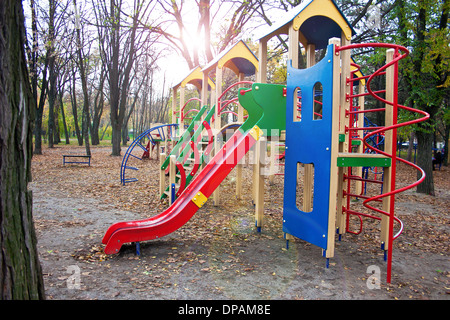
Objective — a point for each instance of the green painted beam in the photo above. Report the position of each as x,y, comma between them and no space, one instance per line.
363,162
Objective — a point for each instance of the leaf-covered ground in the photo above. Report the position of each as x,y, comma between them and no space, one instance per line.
218,254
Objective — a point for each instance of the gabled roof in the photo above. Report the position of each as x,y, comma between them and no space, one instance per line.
317,20
238,58
195,77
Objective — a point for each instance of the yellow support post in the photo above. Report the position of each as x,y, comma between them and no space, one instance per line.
162,174
388,143
294,35
182,98
334,185
344,103
239,165
217,125
259,182
172,176
360,148
174,105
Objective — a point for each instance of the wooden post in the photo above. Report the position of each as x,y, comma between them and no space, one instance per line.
258,178
293,52
261,75
360,149
293,46
310,55
174,107
162,173
204,93
344,89
239,165
329,253
172,172
388,144
217,124
273,160
259,182
182,95
273,141
166,140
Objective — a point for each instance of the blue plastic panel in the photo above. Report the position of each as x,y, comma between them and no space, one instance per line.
309,141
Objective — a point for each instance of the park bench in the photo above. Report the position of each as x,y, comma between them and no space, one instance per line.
76,156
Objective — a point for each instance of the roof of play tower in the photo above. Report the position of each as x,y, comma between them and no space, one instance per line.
195,77
317,20
238,58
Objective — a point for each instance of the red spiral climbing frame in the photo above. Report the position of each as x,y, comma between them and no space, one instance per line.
399,54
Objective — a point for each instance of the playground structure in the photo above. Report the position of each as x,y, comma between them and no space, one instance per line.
320,115
157,134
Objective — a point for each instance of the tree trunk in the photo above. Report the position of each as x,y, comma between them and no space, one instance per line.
39,104
20,270
63,114
86,117
51,104
52,73
424,160
56,132
409,156
97,112
95,138
75,111
446,140
125,134
38,132
116,137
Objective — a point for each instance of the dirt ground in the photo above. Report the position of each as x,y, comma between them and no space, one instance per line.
218,254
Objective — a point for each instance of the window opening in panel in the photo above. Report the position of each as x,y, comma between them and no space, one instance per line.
305,186
297,105
318,101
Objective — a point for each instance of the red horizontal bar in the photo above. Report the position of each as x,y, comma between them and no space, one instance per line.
360,214
364,94
360,196
363,77
364,128
355,178
363,111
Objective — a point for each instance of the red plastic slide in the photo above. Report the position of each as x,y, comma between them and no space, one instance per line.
189,201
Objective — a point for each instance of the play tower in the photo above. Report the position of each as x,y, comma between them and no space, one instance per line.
320,113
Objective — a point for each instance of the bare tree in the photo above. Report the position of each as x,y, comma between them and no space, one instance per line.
20,270
120,40
34,66
81,62
240,12
56,32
